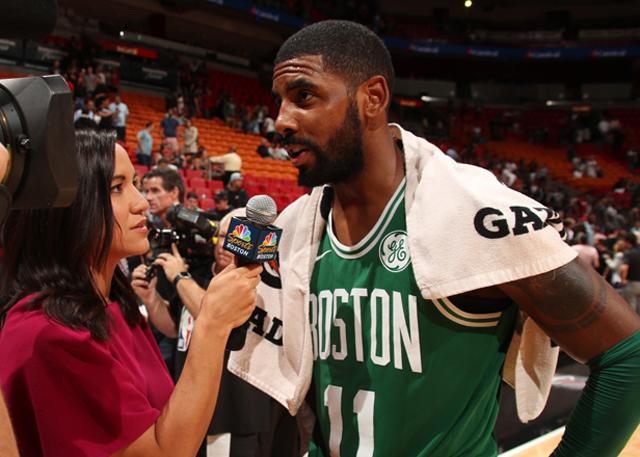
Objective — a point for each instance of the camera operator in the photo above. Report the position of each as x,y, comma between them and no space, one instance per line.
242,420
164,190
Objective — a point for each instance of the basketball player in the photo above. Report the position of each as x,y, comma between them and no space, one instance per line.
421,266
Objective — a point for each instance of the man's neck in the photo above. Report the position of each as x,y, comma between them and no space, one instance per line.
358,204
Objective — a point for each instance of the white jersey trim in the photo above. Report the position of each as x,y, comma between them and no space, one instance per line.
373,237
462,322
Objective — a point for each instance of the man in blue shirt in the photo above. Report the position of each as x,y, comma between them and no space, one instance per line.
170,129
145,145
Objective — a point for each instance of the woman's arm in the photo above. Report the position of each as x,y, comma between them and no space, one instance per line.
180,429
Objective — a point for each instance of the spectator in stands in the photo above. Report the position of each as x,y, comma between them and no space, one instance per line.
451,152
614,264
592,169
231,162
508,175
86,117
635,230
222,207
169,127
192,201
260,112
586,253
277,152
190,136
208,103
80,91
55,68
180,111
102,88
165,164
263,148
197,163
120,115
603,130
269,127
633,159
237,195
113,79
90,81
145,145
229,112
105,113
630,273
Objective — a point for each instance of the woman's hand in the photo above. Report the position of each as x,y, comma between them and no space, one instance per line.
231,296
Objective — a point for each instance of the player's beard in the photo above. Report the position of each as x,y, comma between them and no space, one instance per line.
341,159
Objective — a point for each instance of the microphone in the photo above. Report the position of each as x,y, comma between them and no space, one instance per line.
253,240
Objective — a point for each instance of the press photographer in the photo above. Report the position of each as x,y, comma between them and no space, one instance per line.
242,411
176,255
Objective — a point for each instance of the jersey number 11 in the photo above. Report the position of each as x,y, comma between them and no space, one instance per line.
363,406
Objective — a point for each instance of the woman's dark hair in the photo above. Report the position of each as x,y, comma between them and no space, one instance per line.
52,252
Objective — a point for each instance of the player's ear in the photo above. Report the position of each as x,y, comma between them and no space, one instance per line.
375,98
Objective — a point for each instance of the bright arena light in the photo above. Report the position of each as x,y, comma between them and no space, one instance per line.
468,3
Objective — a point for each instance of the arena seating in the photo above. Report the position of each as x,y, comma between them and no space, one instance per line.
555,158
274,177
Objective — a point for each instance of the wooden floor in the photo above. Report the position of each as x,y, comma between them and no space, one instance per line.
543,446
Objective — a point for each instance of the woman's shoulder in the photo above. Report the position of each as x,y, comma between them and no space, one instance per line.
27,322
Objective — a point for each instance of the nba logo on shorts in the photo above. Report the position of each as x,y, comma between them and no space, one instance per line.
394,251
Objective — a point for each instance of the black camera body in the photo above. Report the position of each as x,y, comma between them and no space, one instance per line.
36,127
192,232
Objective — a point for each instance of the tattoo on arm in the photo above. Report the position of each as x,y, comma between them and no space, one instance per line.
568,299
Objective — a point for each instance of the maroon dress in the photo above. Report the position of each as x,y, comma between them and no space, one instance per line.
71,395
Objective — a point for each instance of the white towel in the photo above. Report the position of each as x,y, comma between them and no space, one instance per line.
466,231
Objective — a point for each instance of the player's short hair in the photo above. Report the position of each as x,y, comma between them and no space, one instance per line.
348,49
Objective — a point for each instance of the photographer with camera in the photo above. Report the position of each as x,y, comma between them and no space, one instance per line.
164,190
242,419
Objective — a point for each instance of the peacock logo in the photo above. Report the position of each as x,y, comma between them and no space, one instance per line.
270,240
242,232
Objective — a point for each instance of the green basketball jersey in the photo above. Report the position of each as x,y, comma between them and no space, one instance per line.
394,374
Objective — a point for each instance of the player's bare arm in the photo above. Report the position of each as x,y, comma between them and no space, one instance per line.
577,308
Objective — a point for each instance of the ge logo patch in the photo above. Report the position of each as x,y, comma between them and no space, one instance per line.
394,251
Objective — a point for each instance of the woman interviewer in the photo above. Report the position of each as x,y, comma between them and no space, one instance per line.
79,369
